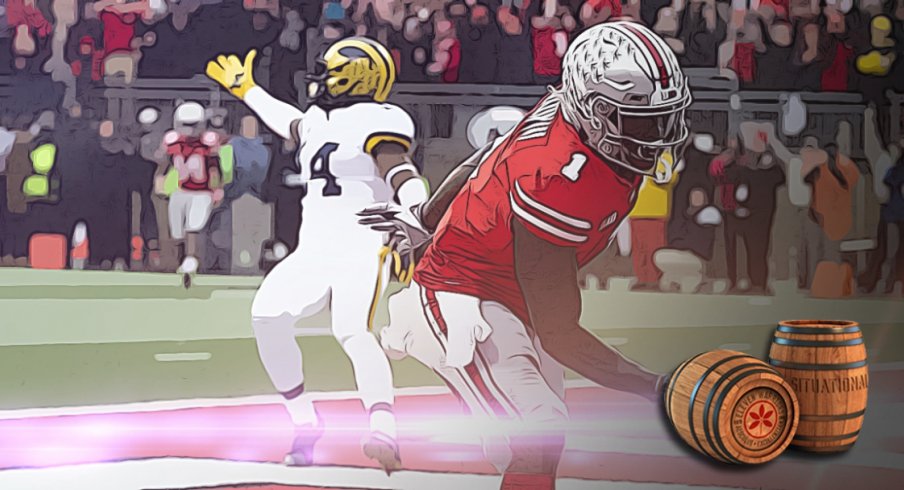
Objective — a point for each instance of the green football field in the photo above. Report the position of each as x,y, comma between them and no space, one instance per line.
87,338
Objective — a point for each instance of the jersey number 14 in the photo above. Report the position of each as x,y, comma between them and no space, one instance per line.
320,169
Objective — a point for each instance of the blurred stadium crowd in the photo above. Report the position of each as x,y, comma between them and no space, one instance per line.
59,58
826,45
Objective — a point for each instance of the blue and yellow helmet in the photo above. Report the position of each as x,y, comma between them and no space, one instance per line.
353,69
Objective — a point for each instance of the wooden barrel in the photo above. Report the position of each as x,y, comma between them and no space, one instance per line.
825,364
732,407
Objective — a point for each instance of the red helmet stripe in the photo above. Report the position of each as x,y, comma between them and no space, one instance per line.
654,51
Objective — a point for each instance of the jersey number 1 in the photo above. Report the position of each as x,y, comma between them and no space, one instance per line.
320,169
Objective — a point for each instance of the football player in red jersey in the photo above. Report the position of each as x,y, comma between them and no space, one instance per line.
494,306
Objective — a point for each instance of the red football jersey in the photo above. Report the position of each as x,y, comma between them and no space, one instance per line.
193,158
546,177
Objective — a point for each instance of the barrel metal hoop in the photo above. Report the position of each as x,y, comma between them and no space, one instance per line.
839,437
817,343
830,418
823,449
690,410
817,330
721,399
709,400
816,367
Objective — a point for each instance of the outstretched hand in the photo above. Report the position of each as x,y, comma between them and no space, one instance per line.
406,234
232,73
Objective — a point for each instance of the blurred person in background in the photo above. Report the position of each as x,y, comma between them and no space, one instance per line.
694,218
549,38
886,262
598,11
515,62
478,37
7,141
247,174
414,48
162,254
700,30
111,234
753,176
800,191
193,153
31,33
648,220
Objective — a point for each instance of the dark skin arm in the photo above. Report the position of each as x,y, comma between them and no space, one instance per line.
433,210
548,276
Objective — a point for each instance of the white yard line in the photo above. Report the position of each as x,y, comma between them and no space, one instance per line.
182,356
175,473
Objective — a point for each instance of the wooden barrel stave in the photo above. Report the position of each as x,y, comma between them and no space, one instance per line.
825,363
704,393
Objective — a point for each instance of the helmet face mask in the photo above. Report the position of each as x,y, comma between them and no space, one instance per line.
641,139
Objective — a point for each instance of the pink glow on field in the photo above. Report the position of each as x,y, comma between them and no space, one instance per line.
434,434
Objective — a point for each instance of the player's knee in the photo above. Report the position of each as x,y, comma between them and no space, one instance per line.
546,415
272,326
547,410
356,341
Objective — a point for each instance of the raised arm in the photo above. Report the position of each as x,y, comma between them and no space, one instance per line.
282,118
237,76
779,148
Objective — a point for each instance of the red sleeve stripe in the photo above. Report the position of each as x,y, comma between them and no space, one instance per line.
543,225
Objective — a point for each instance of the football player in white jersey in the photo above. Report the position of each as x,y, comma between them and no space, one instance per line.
353,152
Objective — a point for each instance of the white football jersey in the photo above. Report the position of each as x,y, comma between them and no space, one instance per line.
335,155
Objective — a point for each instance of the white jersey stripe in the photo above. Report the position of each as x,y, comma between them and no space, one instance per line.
552,230
552,213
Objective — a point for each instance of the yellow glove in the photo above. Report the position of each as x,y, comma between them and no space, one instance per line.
402,267
232,73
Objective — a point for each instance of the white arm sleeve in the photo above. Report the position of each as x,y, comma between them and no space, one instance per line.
798,190
412,193
276,114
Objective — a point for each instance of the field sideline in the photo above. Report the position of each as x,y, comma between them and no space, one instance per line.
89,337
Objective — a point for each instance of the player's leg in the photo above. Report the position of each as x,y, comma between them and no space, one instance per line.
354,300
280,301
731,252
199,207
504,377
411,334
509,361
176,213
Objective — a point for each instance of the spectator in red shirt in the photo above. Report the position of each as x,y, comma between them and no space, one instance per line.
598,11
549,40
119,30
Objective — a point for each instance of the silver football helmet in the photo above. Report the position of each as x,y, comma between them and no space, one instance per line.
623,89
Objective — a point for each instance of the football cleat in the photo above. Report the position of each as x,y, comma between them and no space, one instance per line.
187,269
384,450
302,452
